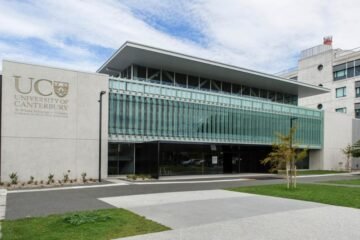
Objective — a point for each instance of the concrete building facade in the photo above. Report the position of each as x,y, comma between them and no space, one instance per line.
164,113
339,71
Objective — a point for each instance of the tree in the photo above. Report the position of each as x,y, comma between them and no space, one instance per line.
285,154
348,152
355,152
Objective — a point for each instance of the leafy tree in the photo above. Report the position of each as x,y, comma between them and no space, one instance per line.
348,152
285,154
355,152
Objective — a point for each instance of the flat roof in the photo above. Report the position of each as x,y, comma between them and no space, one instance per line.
135,53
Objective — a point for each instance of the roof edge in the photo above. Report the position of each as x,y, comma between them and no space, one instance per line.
210,62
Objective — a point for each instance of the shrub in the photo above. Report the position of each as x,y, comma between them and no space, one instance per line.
13,178
66,176
31,180
41,182
35,182
83,176
50,178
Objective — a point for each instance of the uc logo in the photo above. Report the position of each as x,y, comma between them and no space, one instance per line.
61,89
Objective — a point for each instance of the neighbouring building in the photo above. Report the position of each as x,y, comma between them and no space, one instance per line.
339,71
164,113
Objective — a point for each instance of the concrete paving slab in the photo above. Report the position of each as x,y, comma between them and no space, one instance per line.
187,209
143,200
322,223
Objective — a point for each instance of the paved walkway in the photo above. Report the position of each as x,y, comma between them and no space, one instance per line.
221,214
42,202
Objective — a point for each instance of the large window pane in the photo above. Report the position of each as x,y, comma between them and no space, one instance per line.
139,73
226,87
180,79
215,85
204,84
154,75
120,158
193,82
236,89
167,77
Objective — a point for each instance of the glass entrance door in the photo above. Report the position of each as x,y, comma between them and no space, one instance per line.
120,158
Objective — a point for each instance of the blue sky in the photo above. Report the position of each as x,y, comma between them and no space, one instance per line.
262,35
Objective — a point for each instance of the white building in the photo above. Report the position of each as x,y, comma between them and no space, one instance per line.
339,71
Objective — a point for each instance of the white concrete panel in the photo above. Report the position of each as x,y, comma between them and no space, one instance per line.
50,121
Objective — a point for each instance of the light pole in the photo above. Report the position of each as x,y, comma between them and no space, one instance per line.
100,123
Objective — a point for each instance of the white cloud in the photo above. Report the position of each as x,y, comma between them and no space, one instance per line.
262,35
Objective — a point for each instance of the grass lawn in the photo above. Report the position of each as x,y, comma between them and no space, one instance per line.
313,172
111,223
334,195
350,182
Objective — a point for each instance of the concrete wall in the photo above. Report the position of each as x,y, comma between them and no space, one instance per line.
50,122
338,133
355,162
308,72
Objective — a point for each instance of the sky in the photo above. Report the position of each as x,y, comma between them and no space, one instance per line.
263,35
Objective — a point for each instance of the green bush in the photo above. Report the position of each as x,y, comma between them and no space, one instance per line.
13,178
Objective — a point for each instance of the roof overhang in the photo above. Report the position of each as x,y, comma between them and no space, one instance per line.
134,53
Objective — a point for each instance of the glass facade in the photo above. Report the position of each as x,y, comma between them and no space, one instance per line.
165,77
120,158
142,111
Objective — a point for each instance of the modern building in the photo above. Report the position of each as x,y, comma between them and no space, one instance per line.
337,70
164,113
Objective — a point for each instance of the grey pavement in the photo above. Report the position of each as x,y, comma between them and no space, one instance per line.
42,203
225,215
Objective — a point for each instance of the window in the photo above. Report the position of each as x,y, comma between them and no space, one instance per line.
180,79
357,67
215,85
193,82
350,69
204,84
339,72
319,106
139,73
320,67
341,110
167,78
357,110
236,89
341,92
357,92
226,87
357,89
154,75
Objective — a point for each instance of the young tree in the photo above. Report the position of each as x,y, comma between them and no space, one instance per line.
285,154
355,151
348,151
